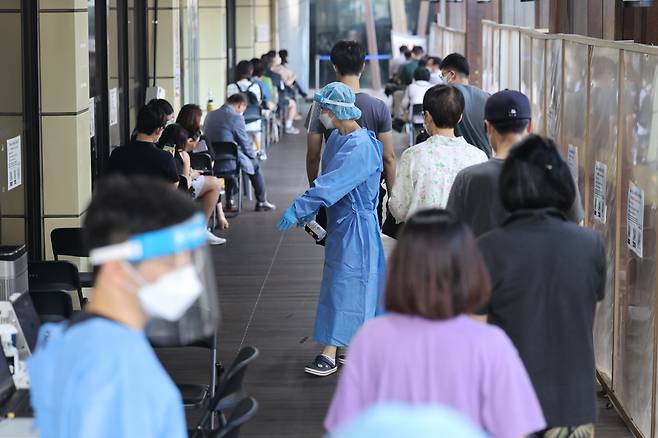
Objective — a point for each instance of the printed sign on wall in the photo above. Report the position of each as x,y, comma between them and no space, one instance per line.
114,106
14,158
635,218
600,180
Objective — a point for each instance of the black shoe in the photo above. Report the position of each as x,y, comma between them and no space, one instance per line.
265,206
230,206
321,366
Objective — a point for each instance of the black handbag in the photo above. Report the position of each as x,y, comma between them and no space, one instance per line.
390,228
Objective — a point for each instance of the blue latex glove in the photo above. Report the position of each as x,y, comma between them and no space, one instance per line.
288,220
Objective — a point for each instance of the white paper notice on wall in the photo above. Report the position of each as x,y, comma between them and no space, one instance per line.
262,33
600,191
635,218
14,158
92,117
572,162
114,106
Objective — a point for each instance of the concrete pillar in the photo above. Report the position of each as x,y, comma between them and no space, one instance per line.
253,23
212,50
12,202
168,62
66,156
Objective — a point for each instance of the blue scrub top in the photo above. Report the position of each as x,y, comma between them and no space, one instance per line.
100,378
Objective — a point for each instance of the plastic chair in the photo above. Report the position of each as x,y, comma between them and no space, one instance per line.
226,153
55,275
243,413
196,396
416,123
69,242
202,161
52,305
230,391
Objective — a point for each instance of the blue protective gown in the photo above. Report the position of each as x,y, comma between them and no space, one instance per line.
354,266
98,379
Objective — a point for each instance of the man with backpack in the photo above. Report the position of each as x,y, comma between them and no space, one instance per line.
254,93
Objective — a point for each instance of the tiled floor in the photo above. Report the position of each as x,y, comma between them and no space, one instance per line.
268,286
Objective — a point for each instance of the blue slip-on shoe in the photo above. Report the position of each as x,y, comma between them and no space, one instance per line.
342,358
322,366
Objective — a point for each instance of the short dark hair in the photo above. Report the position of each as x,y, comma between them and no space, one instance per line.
150,118
445,104
436,270
417,50
283,54
267,61
422,74
511,126
174,135
124,206
244,69
259,67
348,57
404,48
535,176
456,63
164,105
435,60
271,53
237,98
189,117
407,54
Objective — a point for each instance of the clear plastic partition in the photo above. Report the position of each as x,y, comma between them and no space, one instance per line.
495,84
526,65
601,172
554,89
487,58
575,113
514,74
538,95
505,62
634,352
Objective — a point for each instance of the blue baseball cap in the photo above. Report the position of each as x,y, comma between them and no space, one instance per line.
507,106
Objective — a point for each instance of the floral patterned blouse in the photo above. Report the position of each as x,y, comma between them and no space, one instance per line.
426,172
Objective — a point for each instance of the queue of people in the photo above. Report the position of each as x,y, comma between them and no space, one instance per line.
479,289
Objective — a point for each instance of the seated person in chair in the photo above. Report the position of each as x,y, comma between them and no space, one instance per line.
203,188
227,124
141,156
97,375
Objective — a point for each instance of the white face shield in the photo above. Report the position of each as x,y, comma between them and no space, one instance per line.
182,303
315,115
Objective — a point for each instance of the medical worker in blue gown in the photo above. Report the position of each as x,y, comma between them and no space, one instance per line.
97,374
354,258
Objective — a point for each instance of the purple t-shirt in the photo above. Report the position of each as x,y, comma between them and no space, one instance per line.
461,363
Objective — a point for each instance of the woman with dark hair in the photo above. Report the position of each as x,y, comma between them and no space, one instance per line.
181,142
427,350
548,275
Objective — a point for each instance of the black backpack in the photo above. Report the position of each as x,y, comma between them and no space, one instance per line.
253,111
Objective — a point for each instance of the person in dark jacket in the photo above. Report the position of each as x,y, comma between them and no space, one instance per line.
227,124
548,275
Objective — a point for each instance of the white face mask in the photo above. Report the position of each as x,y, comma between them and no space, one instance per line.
326,121
171,295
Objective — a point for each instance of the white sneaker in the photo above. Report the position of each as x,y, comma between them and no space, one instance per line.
292,130
214,240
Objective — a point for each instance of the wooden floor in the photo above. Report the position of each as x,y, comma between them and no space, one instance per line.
268,285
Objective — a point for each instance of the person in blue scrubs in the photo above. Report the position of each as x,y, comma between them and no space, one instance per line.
97,374
348,188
